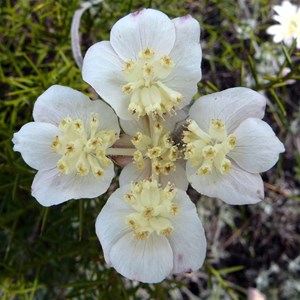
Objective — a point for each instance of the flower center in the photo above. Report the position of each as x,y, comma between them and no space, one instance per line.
153,208
148,95
83,149
207,151
159,148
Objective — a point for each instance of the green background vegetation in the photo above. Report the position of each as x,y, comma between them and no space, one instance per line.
53,253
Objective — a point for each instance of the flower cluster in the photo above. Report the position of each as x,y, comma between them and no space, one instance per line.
147,72
288,29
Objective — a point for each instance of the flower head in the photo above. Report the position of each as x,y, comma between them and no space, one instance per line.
288,15
156,152
155,232
151,65
228,145
67,144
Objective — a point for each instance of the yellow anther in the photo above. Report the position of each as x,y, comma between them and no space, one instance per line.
166,61
141,235
231,141
70,149
92,143
148,70
129,66
148,212
55,145
167,231
209,152
168,167
78,125
218,124
205,169
132,223
63,166
136,110
154,152
82,168
127,88
147,53
225,166
138,159
174,210
94,121
65,123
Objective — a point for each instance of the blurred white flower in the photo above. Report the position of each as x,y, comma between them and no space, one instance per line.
151,66
228,145
67,144
288,15
148,232
245,29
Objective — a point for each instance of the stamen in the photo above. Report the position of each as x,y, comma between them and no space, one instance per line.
83,150
153,209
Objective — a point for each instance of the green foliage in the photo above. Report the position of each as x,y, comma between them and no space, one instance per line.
53,253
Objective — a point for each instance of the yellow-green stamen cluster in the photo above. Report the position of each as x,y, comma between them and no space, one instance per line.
148,95
153,209
160,149
208,150
83,149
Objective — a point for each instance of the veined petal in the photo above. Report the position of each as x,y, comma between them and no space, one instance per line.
188,240
50,187
149,260
59,102
131,173
187,56
257,148
102,69
146,28
33,141
231,106
110,224
236,188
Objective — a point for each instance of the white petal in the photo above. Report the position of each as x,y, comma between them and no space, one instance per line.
188,240
232,106
236,188
131,173
131,127
59,102
50,187
110,224
102,69
178,178
274,29
33,141
146,28
257,148
149,260
187,56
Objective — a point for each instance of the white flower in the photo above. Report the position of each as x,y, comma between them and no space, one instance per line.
228,145
288,15
67,143
155,152
150,66
148,232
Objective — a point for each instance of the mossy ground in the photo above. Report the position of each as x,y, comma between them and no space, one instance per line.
53,253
